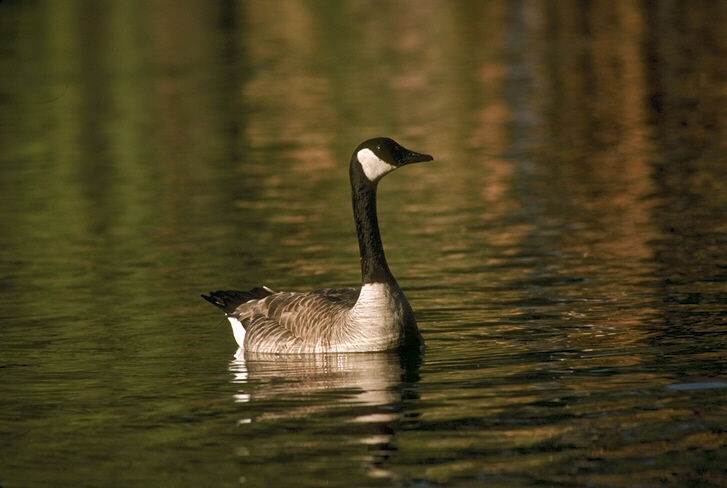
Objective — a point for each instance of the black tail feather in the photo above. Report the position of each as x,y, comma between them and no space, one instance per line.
229,300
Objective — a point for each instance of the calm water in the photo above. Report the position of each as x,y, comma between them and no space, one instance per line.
565,253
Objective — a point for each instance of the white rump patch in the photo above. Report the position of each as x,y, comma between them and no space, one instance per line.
373,167
238,331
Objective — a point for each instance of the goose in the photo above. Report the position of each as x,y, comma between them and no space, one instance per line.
376,317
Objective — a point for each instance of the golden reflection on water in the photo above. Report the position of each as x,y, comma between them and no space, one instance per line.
367,388
564,249
365,379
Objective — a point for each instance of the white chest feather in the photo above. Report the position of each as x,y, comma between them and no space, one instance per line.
378,316
373,167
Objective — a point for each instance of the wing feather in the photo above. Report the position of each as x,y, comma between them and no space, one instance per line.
292,322
264,334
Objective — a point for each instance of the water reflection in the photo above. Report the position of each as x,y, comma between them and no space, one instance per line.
364,392
565,258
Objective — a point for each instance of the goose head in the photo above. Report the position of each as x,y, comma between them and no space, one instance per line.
377,157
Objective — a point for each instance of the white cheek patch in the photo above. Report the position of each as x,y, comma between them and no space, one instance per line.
373,167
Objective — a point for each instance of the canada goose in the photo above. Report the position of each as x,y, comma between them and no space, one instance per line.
376,317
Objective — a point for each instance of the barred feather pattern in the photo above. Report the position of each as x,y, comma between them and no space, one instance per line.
326,320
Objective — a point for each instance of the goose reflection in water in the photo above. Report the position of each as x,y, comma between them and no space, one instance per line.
362,393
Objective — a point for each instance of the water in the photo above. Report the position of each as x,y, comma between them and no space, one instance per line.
564,254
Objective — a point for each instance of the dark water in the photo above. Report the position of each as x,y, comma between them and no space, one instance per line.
564,254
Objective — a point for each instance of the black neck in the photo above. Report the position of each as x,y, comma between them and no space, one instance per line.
373,262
